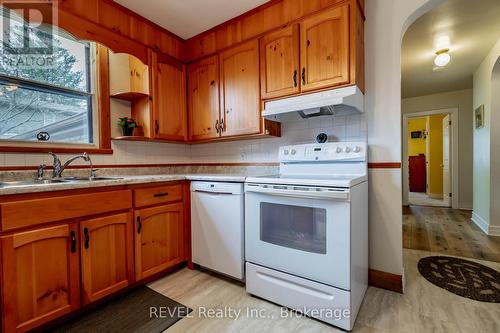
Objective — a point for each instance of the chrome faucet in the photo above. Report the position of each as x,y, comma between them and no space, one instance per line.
59,167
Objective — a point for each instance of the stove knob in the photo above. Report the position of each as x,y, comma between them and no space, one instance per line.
347,150
357,149
339,150
286,152
294,152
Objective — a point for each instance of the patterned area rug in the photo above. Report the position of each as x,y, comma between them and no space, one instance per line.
462,277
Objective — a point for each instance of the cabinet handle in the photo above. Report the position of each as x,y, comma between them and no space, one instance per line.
217,126
157,127
222,126
295,78
161,194
73,241
303,75
139,224
87,238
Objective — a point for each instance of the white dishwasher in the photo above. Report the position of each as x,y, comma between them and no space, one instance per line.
217,228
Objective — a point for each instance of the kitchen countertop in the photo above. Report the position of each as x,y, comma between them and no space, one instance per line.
120,180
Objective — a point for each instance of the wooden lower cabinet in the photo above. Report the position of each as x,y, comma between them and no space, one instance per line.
159,239
107,255
40,276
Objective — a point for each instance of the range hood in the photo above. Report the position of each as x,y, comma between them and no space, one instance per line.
329,102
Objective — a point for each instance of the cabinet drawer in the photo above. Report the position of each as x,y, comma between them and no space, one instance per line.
157,195
25,213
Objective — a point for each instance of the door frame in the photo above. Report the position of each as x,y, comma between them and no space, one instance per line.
453,112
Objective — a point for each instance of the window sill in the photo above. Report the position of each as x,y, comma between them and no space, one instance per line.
60,150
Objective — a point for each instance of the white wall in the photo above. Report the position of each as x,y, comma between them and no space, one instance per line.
386,21
462,100
495,150
482,141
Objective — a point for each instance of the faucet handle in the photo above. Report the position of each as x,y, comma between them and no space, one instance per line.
40,171
93,173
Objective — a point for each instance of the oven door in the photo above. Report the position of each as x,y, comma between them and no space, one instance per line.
304,231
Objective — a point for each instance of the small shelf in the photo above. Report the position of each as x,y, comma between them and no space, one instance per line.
129,96
145,139
132,138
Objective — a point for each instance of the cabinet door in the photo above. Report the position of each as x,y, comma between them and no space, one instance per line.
40,276
107,255
170,114
127,75
279,63
240,90
203,99
324,49
159,239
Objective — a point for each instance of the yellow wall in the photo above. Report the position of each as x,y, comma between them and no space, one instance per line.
416,146
435,155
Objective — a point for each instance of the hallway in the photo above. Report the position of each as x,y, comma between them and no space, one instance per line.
447,231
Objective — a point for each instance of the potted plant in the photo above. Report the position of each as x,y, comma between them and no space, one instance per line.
127,124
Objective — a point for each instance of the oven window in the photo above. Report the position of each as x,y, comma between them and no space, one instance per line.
295,227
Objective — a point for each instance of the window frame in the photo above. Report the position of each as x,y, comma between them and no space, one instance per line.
98,79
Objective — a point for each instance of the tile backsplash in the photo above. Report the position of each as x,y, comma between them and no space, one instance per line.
295,130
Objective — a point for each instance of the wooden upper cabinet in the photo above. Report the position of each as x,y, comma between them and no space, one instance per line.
170,114
240,90
128,76
111,18
107,249
324,49
203,99
159,239
279,63
40,276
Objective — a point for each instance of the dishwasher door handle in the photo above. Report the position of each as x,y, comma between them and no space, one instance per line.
213,193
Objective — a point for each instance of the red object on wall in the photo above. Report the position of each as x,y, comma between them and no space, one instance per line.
418,175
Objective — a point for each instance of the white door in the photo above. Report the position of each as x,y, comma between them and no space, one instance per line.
446,161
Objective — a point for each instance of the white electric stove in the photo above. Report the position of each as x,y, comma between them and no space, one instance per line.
306,231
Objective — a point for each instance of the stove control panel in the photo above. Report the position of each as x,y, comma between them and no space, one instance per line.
324,152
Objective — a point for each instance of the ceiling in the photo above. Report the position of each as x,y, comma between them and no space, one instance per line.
472,27
188,18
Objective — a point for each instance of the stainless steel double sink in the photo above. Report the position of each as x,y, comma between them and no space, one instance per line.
66,180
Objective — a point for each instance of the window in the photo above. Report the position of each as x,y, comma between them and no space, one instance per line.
45,97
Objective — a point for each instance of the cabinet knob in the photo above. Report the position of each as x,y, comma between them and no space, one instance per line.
303,75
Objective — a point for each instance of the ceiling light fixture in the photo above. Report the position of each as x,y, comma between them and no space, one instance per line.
442,58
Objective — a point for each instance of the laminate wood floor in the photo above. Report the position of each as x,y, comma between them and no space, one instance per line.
447,231
423,307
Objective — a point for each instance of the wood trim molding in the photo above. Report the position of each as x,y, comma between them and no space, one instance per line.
384,165
103,96
385,280
61,150
125,166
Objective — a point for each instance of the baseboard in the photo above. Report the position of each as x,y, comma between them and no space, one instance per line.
385,280
494,230
480,222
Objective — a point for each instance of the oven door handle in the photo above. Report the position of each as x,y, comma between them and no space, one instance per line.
324,194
